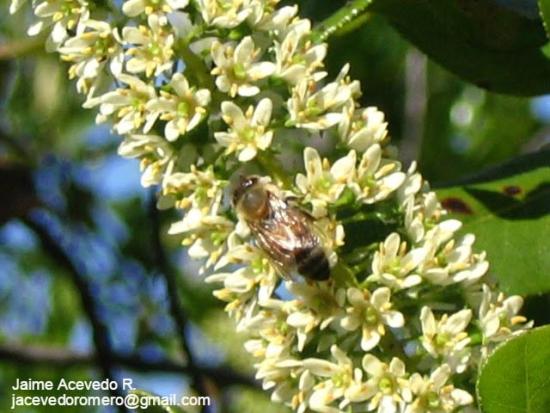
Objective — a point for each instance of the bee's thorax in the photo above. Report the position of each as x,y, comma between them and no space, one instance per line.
254,203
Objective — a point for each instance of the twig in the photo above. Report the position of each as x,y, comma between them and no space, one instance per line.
176,307
100,332
59,357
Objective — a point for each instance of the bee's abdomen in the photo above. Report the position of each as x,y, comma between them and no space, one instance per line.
313,264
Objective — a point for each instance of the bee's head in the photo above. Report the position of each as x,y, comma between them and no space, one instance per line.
250,197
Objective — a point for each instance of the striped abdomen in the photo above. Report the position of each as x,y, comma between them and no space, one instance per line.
312,263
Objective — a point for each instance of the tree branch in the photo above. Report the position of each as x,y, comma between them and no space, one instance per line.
100,331
60,357
17,180
176,307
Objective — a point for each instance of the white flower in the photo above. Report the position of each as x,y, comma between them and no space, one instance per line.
224,13
64,15
324,184
15,5
195,189
450,260
295,56
277,21
433,394
128,106
304,320
248,132
370,313
343,381
205,235
239,306
316,306
237,68
301,400
393,266
446,338
134,8
498,316
317,110
182,108
364,128
376,178
388,381
154,153
343,79
152,51
332,235
256,271
421,213
273,338
276,374
96,45
261,11
411,186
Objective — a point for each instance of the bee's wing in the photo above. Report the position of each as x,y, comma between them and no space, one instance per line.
285,234
311,220
281,258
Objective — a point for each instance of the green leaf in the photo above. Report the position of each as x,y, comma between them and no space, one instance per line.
516,378
507,208
497,48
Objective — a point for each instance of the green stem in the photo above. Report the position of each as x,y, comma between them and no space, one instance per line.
345,18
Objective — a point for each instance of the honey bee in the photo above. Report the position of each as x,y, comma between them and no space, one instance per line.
283,231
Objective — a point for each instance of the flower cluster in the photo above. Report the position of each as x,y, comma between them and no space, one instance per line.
202,92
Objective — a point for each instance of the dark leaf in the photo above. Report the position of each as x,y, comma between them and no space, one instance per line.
491,46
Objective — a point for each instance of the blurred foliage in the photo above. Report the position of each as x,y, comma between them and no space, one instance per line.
90,200
470,127
544,7
223,334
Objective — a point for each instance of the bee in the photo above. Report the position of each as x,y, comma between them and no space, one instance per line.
282,230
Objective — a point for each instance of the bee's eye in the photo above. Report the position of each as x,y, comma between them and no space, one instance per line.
254,201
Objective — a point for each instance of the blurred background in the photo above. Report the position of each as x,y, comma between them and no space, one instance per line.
91,286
